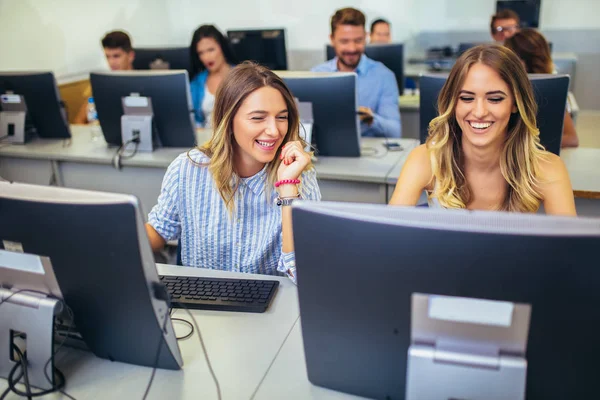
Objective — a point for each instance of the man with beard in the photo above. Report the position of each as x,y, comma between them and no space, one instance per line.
377,87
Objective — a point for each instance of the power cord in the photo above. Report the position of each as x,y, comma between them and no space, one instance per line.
161,293
188,323
12,380
120,154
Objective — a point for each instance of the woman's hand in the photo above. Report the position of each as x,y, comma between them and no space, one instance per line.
293,161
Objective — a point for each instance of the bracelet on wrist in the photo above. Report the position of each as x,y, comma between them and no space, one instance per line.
287,182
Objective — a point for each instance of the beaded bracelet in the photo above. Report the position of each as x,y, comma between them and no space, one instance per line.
287,182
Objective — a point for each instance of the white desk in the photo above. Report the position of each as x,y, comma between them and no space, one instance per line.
241,347
86,164
287,378
565,63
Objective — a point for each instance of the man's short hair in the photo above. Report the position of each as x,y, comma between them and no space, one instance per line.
504,14
117,40
378,21
347,16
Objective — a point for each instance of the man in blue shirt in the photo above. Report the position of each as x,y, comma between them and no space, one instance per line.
377,87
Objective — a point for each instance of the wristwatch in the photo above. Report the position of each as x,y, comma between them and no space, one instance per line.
287,201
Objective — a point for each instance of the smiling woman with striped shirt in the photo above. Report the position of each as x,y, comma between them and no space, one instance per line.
228,200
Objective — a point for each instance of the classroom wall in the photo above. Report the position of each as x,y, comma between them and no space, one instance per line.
64,35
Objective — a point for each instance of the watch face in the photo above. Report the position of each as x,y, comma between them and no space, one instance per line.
286,202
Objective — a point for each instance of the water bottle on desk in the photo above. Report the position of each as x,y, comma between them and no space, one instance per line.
92,119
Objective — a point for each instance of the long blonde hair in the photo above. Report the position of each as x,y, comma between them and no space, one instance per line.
521,153
234,89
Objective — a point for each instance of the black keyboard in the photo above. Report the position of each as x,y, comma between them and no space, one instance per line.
222,294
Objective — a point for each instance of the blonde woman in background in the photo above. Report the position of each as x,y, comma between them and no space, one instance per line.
228,200
483,150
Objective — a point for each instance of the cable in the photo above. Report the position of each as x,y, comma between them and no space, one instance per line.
12,371
189,324
160,343
23,362
210,368
116,161
61,378
375,153
161,293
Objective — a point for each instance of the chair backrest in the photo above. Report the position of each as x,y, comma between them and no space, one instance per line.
550,94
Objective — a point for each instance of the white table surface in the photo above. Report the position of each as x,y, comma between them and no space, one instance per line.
288,379
241,347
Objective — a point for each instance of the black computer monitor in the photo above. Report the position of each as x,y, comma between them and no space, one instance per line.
355,296
171,103
46,115
527,10
103,264
550,94
391,55
149,58
336,127
265,46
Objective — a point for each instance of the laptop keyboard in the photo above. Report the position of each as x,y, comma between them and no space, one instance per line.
222,294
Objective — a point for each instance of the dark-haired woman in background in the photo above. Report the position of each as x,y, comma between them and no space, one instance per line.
534,51
211,60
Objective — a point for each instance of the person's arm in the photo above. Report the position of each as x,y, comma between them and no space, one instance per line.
386,118
163,221
569,136
294,162
81,117
555,187
414,178
156,241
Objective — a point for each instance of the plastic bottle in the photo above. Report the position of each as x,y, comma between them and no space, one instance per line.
92,119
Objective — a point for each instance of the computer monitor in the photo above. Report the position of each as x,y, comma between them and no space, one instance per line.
336,127
391,55
171,103
527,10
355,297
150,58
550,94
265,46
46,115
103,263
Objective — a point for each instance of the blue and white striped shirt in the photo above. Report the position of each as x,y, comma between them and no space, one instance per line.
249,240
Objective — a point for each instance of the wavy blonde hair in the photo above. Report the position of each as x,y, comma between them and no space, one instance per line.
521,153
235,88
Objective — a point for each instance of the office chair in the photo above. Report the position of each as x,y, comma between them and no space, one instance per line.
550,94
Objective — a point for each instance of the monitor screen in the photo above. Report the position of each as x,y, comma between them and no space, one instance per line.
355,296
162,58
101,257
333,98
264,46
171,102
527,10
46,115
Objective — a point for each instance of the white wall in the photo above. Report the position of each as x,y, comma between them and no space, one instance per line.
306,21
63,35
465,15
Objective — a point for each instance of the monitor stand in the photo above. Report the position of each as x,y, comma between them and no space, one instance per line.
465,348
12,118
28,318
137,122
